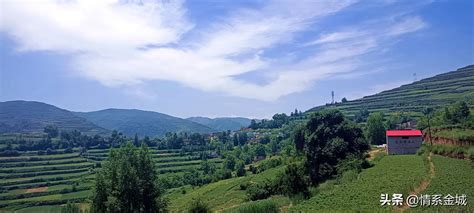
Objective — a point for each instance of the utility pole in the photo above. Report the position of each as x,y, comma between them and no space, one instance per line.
427,111
429,130
332,94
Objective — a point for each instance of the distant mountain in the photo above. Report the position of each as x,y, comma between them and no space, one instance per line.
222,124
31,116
131,121
436,91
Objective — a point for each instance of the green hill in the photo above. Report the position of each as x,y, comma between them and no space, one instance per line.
143,123
222,124
31,116
437,91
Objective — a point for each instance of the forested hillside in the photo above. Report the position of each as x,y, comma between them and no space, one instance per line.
143,123
31,116
222,124
437,91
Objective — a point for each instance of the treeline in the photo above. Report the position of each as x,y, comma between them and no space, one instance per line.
457,115
327,146
277,121
54,140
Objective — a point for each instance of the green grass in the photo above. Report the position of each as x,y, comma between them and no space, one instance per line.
38,157
41,209
43,163
43,178
452,176
46,168
220,195
457,134
269,205
392,174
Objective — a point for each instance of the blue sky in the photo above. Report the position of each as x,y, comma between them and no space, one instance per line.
216,58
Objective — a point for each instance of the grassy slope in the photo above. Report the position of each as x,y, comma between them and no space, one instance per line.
436,91
220,195
393,174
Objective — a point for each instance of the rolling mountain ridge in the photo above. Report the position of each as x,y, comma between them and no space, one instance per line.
32,116
143,123
222,124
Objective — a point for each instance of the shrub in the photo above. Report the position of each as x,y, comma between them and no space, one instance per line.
199,206
293,181
244,186
470,153
348,176
70,208
267,164
257,207
240,169
259,191
352,162
253,169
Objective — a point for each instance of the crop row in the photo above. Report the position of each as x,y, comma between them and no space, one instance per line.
42,163
42,158
393,174
46,168
45,178
34,174
452,176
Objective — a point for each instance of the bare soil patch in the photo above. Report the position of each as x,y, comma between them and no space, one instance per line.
39,189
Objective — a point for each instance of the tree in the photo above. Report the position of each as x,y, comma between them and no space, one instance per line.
362,115
344,100
128,182
253,124
460,111
376,129
229,162
294,181
136,142
298,138
208,167
240,169
51,130
330,138
260,151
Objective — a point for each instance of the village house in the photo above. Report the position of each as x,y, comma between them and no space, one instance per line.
406,141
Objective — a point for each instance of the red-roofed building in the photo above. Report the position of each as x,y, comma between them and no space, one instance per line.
406,141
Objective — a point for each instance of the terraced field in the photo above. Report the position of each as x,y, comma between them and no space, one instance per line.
39,183
436,91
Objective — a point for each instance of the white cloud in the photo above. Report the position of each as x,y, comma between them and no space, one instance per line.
132,43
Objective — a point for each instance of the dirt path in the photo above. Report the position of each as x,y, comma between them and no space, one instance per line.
372,153
422,186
